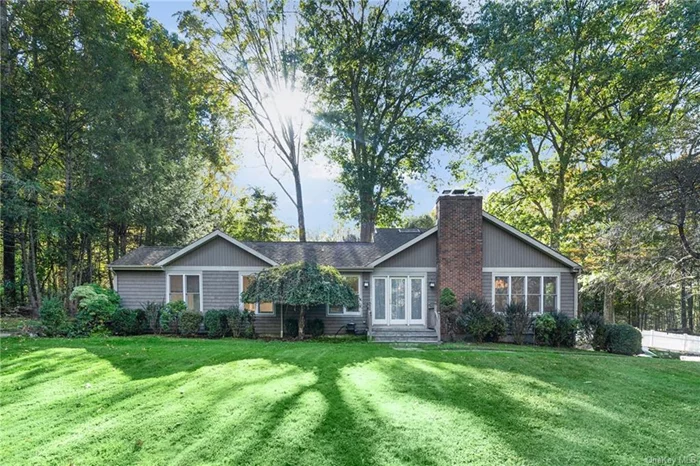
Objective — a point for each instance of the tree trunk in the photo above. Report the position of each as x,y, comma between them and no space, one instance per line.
302,321
367,217
300,205
608,308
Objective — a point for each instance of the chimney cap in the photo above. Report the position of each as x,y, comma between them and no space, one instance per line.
471,192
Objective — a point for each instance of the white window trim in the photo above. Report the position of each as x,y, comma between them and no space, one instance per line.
387,275
242,274
345,312
184,273
527,274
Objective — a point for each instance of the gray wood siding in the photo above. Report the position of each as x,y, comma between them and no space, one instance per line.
501,249
487,285
421,254
568,289
220,289
139,287
432,292
219,252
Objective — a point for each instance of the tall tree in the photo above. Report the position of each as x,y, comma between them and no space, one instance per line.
251,217
257,52
387,77
575,86
116,124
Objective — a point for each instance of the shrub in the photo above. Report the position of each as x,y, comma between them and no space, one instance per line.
53,317
128,321
152,312
189,323
170,316
96,305
479,320
291,328
623,339
555,329
240,323
216,322
518,320
315,327
449,308
565,330
592,331
545,326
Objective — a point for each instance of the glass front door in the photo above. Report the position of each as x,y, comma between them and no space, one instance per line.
399,300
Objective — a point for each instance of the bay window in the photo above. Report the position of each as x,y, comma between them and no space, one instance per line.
538,292
185,288
267,308
354,281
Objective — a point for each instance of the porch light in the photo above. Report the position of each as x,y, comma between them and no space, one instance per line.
365,284
431,284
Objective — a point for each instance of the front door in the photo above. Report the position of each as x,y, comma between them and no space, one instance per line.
399,300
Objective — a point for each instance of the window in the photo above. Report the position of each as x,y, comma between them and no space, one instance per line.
502,289
539,293
267,308
550,294
185,288
354,282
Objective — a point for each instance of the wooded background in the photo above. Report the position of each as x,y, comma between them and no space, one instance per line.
118,133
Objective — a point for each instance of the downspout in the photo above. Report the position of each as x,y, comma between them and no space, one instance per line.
282,321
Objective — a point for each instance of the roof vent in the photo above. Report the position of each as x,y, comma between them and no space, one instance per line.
409,230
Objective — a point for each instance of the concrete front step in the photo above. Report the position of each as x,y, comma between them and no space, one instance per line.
381,339
404,335
380,329
396,333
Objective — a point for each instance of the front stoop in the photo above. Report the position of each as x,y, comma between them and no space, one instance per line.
405,334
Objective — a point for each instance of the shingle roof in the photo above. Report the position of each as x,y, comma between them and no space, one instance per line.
146,255
337,254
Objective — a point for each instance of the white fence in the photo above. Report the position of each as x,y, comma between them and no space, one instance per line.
671,341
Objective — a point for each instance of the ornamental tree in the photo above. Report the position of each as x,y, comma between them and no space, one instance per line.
301,284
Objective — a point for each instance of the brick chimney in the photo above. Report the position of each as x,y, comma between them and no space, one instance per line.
459,245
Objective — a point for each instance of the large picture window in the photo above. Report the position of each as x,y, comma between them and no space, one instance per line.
185,288
354,282
267,308
538,292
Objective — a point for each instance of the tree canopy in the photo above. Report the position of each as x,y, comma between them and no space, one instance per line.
302,285
386,77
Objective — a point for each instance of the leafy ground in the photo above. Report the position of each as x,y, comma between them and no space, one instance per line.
153,400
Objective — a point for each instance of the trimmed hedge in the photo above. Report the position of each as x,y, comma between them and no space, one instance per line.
189,323
623,339
128,322
555,329
216,322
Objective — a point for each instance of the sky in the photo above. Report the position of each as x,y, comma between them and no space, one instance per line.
319,187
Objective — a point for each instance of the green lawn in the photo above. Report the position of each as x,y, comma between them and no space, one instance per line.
169,401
